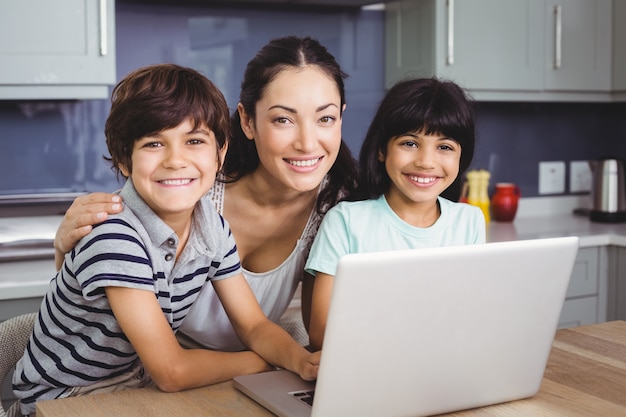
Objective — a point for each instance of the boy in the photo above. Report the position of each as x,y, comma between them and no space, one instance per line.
109,319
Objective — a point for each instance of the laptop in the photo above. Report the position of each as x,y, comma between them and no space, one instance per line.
429,331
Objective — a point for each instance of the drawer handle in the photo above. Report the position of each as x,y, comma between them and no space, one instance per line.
450,54
104,46
558,33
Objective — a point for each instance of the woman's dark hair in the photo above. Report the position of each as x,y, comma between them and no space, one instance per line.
159,97
276,56
426,105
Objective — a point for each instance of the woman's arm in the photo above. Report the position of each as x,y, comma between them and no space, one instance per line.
172,367
322,289
260,334
85,211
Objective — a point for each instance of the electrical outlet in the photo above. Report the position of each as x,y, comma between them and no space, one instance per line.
579,177
552,177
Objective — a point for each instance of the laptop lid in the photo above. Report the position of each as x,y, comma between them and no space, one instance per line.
428,331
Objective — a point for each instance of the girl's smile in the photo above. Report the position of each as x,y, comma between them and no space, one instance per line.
420,168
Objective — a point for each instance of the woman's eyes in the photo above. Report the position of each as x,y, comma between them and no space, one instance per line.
281,120
322,120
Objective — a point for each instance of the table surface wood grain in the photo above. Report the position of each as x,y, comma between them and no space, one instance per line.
585,376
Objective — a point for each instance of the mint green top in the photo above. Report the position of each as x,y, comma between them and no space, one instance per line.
371,226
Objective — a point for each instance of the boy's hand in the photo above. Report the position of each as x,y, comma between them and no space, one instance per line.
310,366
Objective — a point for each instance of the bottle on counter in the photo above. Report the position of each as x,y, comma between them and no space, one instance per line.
478,185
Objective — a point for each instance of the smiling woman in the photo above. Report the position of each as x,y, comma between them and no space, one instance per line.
285,167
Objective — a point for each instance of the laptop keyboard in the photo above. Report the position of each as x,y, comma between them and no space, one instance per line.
304,396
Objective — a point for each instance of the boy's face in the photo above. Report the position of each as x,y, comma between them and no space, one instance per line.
420,167
174,168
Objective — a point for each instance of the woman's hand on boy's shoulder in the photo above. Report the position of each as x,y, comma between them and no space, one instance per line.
85,211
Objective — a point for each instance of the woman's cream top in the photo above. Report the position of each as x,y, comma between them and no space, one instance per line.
207,322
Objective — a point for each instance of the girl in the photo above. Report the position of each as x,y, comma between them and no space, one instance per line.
419,144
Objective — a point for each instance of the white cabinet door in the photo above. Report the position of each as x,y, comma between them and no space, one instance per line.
579,48
64,48
491,44
504,49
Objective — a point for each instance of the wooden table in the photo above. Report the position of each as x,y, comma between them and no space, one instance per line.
585,376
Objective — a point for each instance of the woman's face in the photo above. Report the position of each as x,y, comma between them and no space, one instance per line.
297,127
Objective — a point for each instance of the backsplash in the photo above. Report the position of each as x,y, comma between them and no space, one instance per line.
57,146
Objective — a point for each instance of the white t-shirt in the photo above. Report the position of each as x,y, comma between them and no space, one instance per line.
371,225
207,322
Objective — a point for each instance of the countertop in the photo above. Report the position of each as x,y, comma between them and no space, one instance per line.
34,235
537,227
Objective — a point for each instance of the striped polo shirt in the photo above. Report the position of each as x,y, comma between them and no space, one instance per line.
77,340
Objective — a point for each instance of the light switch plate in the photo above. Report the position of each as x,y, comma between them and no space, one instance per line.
552,177
579,177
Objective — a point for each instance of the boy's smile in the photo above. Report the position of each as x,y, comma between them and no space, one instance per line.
172,169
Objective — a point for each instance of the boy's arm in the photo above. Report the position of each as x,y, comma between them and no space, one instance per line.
322,289
260,334
172,367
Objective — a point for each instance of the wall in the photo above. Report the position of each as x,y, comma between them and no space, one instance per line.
57,147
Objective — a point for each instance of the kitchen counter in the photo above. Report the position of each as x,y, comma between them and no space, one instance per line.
29,240
537,227
26,256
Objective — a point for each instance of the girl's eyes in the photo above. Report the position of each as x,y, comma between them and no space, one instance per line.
446,147
327,119
414,144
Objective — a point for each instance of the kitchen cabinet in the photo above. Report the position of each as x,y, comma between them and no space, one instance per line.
57,50
617,283
504,49
586,297
619,48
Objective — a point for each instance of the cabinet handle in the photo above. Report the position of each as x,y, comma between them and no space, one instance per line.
104,46
450,54
558,29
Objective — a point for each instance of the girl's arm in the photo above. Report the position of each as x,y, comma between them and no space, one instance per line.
260,334
85,211
322,289
170,366
306,298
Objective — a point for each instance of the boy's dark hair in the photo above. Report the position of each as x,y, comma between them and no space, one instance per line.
159,97
273,58
426,105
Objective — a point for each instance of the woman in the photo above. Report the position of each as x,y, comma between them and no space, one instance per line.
285,167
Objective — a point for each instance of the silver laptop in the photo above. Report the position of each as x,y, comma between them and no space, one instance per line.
428,331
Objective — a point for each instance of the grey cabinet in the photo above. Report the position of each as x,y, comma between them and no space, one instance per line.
57,50
586,298
504,49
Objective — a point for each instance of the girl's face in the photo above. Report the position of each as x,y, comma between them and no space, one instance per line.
174,168
297,127
420,167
